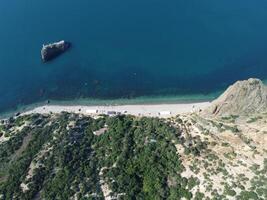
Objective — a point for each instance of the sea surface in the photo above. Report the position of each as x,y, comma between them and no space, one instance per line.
127,49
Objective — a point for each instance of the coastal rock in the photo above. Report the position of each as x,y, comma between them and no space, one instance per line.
242,98
53,50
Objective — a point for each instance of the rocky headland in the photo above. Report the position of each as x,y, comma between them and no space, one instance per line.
242,98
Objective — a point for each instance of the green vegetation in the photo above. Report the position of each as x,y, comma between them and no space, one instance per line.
254,119
225,144
230,118
65,156
228,191
135,157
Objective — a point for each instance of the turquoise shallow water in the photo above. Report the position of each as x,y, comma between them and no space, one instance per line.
128,49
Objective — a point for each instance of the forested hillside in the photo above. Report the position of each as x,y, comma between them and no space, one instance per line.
69,156
60,157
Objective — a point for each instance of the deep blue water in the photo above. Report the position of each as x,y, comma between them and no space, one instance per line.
129,48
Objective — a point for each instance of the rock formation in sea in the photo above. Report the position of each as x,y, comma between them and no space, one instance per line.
242,98
53,50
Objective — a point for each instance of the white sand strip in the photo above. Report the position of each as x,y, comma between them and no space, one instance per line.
157,110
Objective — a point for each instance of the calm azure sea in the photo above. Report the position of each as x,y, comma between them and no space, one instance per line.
127,49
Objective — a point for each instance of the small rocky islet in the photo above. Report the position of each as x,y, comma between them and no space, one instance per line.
53,50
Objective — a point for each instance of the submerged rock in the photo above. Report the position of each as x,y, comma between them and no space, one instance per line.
53,50
17,114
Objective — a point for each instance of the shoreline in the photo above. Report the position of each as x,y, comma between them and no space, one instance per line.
163,110
139,102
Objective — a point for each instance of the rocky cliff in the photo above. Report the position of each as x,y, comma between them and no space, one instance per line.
242,98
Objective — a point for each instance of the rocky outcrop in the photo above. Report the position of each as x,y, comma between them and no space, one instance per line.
53,50
242,98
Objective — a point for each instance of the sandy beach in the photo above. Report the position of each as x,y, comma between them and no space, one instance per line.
157,110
